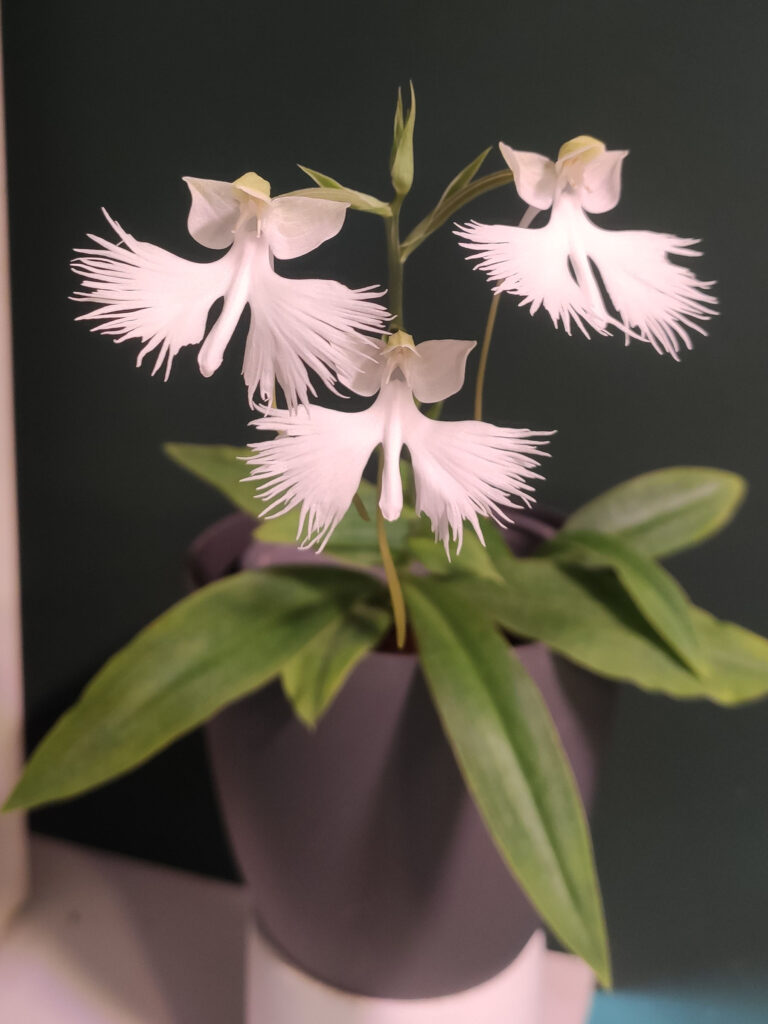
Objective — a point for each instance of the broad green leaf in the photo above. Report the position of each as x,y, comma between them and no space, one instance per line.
510,755
329,188
739,658
316,673
657,595
588,618
354,539
464,176
220,643
472,559
401,165
665,511
444,211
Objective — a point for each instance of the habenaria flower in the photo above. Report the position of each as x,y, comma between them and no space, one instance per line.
144,292
553,266
461,470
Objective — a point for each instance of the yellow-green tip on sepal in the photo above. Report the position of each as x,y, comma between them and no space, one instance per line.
254,184
583,146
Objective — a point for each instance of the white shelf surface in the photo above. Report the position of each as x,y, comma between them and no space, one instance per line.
105,939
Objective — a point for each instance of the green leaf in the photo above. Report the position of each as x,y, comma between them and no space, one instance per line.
464,177
329,188
445,210
664,511
473,558
510,755
316,673
354,539
739,658
221,466
220,643
401,164
588,618
657,595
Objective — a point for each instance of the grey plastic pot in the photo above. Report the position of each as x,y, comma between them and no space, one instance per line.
366,862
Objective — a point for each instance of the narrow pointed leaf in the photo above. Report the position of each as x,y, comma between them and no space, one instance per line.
323,180
329,188
220,643
402,161
665,511
464,176
445,210
316,673
510,755
657,595
588,618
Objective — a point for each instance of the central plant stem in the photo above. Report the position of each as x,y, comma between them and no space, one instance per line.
395,265
395,295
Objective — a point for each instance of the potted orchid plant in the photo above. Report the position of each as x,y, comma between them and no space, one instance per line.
398,574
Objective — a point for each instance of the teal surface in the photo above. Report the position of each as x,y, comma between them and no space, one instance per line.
681,834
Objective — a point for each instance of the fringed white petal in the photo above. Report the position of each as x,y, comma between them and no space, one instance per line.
532,263
656,300
316,463
145,292
469,469
300,324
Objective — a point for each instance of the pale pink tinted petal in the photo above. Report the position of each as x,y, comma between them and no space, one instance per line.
656,300
213,213
296,225
468,470
601,188
144,292
366,368
535,176
532,263
315,463
437,369
298,325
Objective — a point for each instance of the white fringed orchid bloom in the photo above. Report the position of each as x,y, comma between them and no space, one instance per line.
655,300
144,292
461,470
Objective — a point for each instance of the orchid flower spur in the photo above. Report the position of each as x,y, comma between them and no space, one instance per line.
144,292
654,299
461,470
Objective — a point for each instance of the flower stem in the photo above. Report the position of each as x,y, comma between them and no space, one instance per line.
480,382
395,296
393,580
394,265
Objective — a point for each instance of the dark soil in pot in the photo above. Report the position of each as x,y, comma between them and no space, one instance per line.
366,862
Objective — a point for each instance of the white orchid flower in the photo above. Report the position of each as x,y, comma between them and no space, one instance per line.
654,300
144,292
461,470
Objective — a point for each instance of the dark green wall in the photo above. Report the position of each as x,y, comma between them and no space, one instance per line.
111,103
